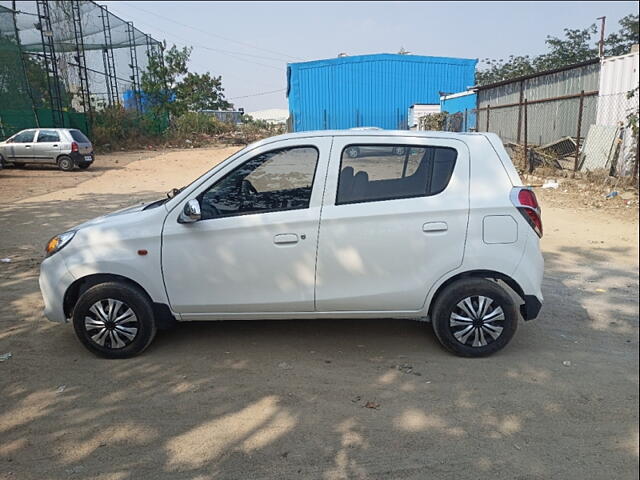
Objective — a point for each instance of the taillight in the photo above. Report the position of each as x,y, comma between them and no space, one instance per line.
527,204
74,147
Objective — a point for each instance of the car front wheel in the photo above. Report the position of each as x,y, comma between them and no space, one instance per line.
474,317
114,320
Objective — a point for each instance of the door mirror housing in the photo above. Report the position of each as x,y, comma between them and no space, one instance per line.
191,212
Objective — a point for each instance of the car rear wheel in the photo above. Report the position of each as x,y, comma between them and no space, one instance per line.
65,163
474,317
114,320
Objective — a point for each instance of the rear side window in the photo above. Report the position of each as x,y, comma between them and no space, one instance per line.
78,136
48,136
370,173
24,137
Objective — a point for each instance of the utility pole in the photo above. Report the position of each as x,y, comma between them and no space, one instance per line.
601,49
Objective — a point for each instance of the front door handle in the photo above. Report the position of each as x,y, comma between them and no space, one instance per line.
431,227
285,239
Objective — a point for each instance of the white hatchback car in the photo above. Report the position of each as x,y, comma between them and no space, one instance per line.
423,225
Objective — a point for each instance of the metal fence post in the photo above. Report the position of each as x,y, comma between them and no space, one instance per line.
635,168
488,111
577,159
466,113
520,111
526,136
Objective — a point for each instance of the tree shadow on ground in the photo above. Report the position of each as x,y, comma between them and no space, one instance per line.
332,399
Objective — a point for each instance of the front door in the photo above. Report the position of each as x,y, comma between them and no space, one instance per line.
22,147
47,146
394,221
254,250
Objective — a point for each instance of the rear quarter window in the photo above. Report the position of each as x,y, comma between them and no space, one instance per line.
78,136
370,173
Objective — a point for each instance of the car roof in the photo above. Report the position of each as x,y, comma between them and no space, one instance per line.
55,129
375,132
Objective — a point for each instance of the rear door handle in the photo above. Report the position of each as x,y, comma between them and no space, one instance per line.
55,144
285,239
431,227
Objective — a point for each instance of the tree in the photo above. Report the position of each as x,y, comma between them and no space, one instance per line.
198,92
620,43
168,86
576,46
160,80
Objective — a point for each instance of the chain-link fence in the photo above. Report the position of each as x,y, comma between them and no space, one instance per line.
63,61
581,132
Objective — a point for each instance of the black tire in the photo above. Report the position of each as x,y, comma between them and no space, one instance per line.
84,319
19,165
65,163
83,166
471,335
3,164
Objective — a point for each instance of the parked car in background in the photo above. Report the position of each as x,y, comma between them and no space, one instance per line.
64,147
294,227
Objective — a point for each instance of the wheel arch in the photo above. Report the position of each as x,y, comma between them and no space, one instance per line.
63,155
162,313
489,274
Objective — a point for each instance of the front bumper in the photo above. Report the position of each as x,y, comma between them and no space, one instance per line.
54,281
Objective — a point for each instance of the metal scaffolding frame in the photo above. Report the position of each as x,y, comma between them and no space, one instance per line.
111,78
50,61
135,70
81,60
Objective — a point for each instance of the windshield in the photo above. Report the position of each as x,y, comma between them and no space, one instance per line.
175,191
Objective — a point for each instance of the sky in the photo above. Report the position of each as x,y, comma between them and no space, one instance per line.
250,43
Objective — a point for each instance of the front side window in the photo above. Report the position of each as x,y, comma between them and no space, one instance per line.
370,173
24,137
48,136
273,181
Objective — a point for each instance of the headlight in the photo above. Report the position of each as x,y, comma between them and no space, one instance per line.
58,242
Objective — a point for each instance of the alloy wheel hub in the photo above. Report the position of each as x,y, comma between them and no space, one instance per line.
111,323
476,321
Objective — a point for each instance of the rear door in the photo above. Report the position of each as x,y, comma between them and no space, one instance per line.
47,146
22,146
393,221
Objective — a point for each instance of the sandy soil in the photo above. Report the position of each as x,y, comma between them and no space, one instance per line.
287,400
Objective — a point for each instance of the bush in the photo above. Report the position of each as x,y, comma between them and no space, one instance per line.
116,127
193,123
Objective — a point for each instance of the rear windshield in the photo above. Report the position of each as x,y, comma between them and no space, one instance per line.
78,136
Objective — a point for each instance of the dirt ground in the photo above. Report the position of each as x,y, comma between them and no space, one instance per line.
325,399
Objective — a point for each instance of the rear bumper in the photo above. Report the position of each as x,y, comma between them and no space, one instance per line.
531,307
82,159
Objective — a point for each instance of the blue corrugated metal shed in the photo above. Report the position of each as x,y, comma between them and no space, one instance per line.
370,90
459,102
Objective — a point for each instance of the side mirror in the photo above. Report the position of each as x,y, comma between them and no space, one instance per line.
191,212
